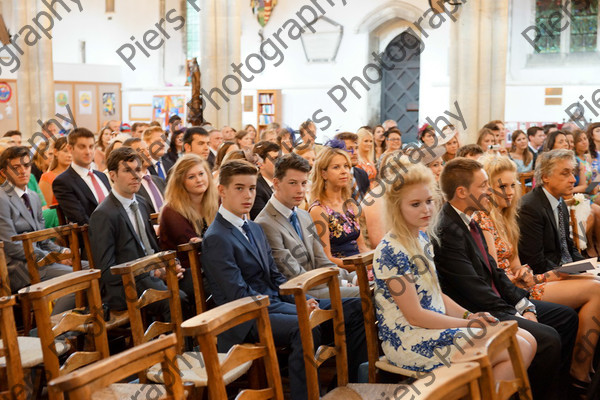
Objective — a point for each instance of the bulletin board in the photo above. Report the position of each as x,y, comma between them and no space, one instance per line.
9,111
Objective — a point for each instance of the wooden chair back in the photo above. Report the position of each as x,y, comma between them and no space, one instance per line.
4,279
574,229
9,349
154,218
90,321
81,384
85,238
192,250
500,337
62,220
298,287
128,272
523,178
207,326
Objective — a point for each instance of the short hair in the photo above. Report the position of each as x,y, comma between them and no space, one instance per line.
11,153
469,150
290,161
46,124
13,133
491,126
137,125
547,127
234,168
547,160
347,136
392,130
188,136
458,172
125,153
148,132
75,134
155,123
174,118
266,132
130,141
533,130
262,149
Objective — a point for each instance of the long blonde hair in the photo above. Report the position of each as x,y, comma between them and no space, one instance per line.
399,173
317,190
177,197
362,133
505,220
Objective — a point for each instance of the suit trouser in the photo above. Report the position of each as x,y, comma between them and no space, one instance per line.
284,324
555,335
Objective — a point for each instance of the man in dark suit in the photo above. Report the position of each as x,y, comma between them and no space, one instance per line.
121,231
80,189
360,184
536,137
215,139
156,140
268,152
545,242
470,276
21,212
152,188
237,260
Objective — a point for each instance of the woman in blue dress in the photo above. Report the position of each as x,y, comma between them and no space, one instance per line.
420,327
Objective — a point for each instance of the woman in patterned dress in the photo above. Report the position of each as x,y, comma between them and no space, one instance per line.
417,322
501,233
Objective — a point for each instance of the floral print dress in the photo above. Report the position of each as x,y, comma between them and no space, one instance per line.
504,253
344,230
405,345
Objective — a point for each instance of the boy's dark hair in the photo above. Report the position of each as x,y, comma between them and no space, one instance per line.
79,133
347,136
458,172
469,150
174,118
533,130
130,141
124,153
233,168
263,148
13,133
188,136
11,153
290,161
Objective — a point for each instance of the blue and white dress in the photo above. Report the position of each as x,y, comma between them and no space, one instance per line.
404,345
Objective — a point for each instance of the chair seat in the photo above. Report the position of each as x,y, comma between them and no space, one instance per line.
30,349
366,391
191,364
385,365
119,391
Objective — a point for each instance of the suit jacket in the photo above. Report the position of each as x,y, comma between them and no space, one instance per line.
235,269
160,185
166,163
15,219
75,197
464,275
114,241
539,242
263,194
362,180
211,160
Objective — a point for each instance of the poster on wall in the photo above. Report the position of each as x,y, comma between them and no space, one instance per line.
158,109
85,102
61,99
109,106
164,107
176,106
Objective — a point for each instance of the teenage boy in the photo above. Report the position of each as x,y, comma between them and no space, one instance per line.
237,260
290,230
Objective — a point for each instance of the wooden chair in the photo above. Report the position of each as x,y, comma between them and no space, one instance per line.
190,363
96,381
10,365
523,178
154,218
498,338
192,251
205,328
62,220
91,323
361,263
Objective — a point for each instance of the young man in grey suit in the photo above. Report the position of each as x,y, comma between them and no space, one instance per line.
290,231
21,212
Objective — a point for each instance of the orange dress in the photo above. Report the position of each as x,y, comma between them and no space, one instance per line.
369,168
504,252
50,177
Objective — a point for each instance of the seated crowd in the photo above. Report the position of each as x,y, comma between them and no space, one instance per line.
457,243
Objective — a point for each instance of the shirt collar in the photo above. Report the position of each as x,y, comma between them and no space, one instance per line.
464,217
123,200
81,171
20,192
283,210
554,202
231,217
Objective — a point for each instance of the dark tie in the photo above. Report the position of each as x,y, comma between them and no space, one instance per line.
97,187
248,232
477,237
565,256
154,192
143,235
27,202
159,170
296,223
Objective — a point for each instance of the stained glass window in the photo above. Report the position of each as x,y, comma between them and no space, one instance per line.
584,26
547,20
192,26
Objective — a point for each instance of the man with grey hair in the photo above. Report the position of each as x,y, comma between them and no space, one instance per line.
388,124
545,242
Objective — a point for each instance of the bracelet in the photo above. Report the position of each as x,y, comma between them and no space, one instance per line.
467,314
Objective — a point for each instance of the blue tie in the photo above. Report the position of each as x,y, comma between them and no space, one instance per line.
296,223
159,170
246,228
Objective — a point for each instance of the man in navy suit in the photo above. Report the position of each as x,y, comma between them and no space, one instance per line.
237,260
80,188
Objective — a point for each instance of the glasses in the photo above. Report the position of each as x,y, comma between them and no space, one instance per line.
394,140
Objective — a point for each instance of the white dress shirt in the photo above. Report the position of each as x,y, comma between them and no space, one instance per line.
126,203
233,219
285,211
83,173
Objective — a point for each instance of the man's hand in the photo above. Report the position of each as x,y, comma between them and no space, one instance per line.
530,316
179,270
312,305
526,277
484,317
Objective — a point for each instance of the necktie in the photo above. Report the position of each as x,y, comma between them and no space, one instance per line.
159,170
477,237
154,192
248,232
27,202
97,187
296,223
141,229
565,256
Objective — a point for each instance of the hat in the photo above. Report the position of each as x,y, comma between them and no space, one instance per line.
125,128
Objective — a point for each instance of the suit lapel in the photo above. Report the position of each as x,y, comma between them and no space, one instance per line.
286,224
125,218
20,205
543,200
241,238
458,221
85,189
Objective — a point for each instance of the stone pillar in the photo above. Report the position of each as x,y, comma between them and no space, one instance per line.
220,29
478,57
35,77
